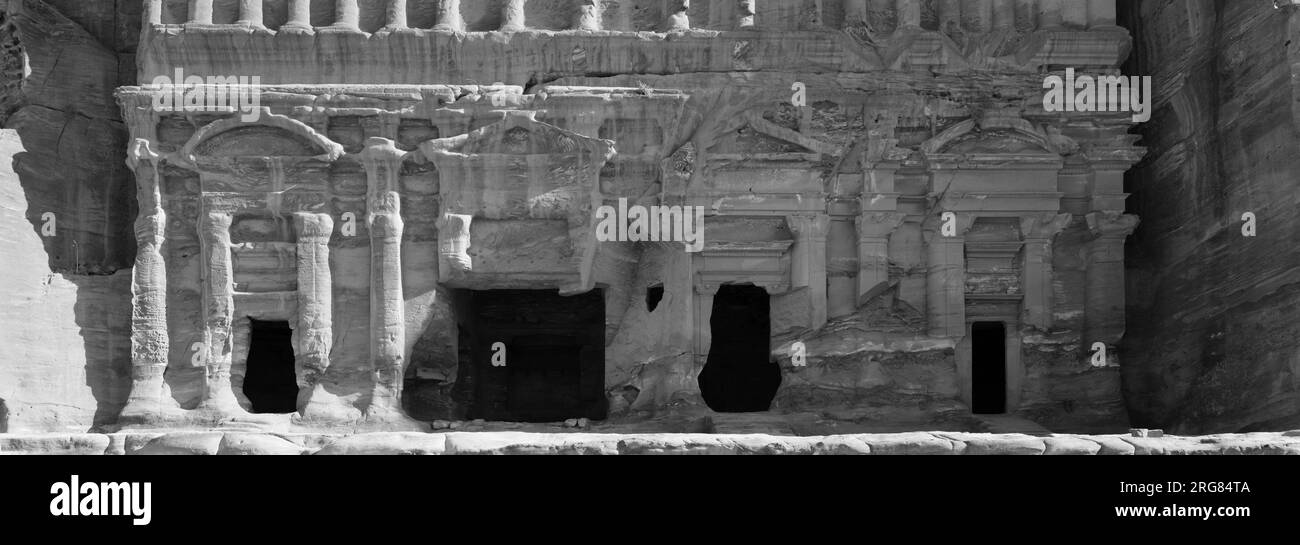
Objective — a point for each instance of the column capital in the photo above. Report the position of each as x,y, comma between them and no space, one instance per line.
1111,224
677,19
1040,226
815,226
878,224
313,226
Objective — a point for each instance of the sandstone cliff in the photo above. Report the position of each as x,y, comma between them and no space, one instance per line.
1213,340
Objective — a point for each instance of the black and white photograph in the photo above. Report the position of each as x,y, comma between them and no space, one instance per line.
1064,233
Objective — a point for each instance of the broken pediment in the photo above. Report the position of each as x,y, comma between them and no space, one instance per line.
757,137
519,168
525,192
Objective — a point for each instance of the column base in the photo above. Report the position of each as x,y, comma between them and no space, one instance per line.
150,405
296,29
388,418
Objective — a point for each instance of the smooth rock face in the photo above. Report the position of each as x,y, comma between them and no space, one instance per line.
1213,343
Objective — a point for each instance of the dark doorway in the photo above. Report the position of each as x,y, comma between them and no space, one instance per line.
554,354
4,417
270,382
988,368
739,375
545,378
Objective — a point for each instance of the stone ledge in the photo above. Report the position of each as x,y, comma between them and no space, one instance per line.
244,442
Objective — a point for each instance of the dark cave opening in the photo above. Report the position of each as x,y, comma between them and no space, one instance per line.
988,368
270,382
739,375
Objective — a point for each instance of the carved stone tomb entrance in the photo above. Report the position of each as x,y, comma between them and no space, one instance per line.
550,365
989,367
738,375
270,382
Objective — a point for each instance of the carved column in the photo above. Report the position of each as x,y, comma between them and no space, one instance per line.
676,17
1074,13
153,10
855,12
218,309
1104,305
874,229
909,13
949,14
808,265
299,16
315,300
1049,14
745,13
945,279
453,246
449,16
983,13
250,12
395,15
1004,14
383,162
150,341
512,16
588,15
1036,273
1101,14
347,15
200,12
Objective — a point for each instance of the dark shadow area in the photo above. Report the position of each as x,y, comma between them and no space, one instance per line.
4,417
988,368
739,375
270,382
550,365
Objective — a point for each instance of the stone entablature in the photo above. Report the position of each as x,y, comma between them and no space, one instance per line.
440,41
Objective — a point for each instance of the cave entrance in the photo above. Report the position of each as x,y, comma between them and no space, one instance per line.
988,368
538,356
270,382
739,375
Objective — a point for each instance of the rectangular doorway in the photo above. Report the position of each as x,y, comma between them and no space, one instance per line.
549,365
270,380
988,368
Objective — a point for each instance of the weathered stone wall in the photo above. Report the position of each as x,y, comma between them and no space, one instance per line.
1213,338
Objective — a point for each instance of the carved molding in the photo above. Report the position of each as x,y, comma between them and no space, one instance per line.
330,150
